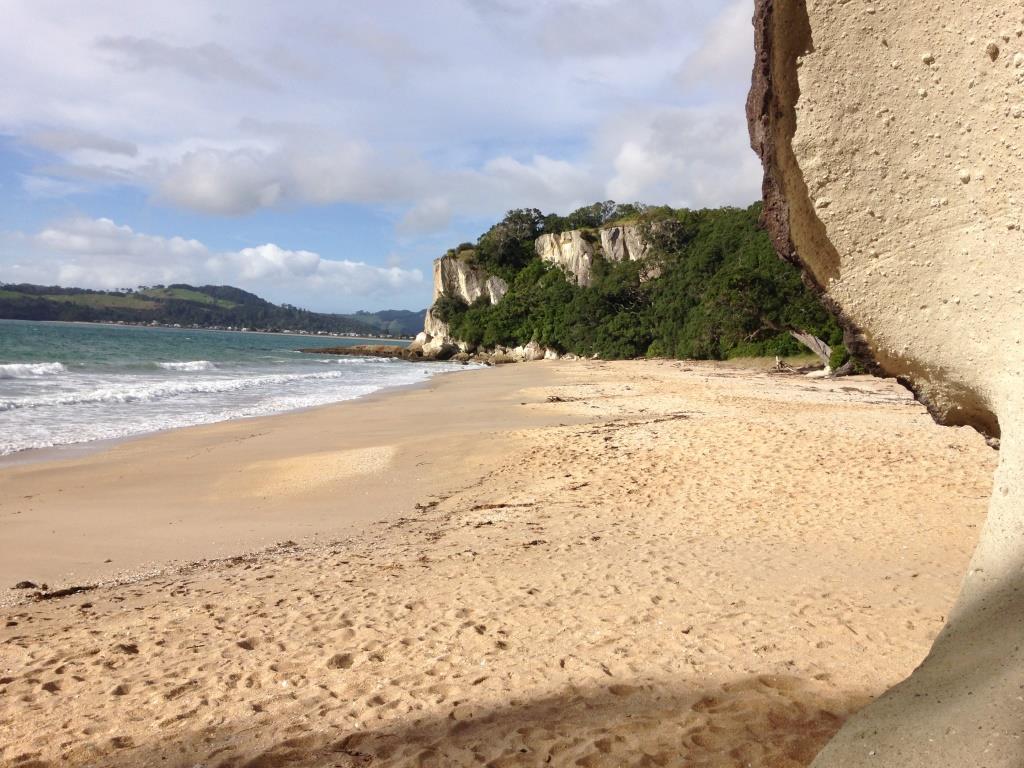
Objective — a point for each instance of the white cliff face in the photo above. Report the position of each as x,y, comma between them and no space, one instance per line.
574,253
891,138
434,326
570,251
464,280
623,244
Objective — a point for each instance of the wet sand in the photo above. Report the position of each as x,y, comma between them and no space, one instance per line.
232,487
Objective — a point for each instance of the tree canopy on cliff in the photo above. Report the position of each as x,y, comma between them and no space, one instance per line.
710,288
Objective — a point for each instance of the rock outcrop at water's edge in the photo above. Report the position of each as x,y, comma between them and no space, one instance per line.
459,279
366,350
451,351
891,140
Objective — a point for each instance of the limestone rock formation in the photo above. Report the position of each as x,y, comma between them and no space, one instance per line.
892,137
574,250
463,280
433,326
571,251
623,243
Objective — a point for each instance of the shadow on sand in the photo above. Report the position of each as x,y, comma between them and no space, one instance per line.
769,721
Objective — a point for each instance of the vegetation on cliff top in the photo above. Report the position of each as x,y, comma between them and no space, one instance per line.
711,288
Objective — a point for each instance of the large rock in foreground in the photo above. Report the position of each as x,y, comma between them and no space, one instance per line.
892,136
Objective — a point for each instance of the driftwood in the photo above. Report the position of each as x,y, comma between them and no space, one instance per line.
813,343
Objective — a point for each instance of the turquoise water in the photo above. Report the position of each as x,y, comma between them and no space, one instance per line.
66,383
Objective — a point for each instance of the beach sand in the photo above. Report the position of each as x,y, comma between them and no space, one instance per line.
587,563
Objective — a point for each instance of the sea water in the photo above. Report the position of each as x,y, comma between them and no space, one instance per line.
66,383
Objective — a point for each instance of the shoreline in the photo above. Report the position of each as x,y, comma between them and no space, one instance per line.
69,451
45,493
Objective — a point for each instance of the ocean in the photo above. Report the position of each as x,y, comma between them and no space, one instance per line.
69,383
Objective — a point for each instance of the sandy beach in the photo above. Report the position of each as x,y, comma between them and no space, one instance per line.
588,563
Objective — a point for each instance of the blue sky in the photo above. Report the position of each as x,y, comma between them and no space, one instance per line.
323,153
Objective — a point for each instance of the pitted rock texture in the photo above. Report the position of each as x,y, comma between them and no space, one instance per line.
892,135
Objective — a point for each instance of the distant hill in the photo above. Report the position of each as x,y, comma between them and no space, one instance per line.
399,322
208,306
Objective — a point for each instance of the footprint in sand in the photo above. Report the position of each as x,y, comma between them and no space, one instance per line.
340,661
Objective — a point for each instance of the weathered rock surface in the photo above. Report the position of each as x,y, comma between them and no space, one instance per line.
574,250
461,280
433,326
426,348
623,244
465,280
892,136
571,251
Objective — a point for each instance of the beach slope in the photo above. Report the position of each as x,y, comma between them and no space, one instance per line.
642,563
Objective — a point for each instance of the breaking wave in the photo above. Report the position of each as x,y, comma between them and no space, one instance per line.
162,390
29,370
193,366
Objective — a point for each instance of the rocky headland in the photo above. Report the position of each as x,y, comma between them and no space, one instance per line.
891,137
456,277
624,281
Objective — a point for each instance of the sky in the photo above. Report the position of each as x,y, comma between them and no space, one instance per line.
323,152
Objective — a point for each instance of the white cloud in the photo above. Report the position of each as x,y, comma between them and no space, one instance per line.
70,139
45,187
99,253
304,170
684,157
726,55
204,62
427,113
221,181
614,29
426,216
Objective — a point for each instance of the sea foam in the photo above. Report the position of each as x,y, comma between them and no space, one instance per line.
152,391
29,370
192,366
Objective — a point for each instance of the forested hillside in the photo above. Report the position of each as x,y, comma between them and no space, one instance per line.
206,306
710,287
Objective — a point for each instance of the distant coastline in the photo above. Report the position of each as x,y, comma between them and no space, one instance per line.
213,307
386,339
